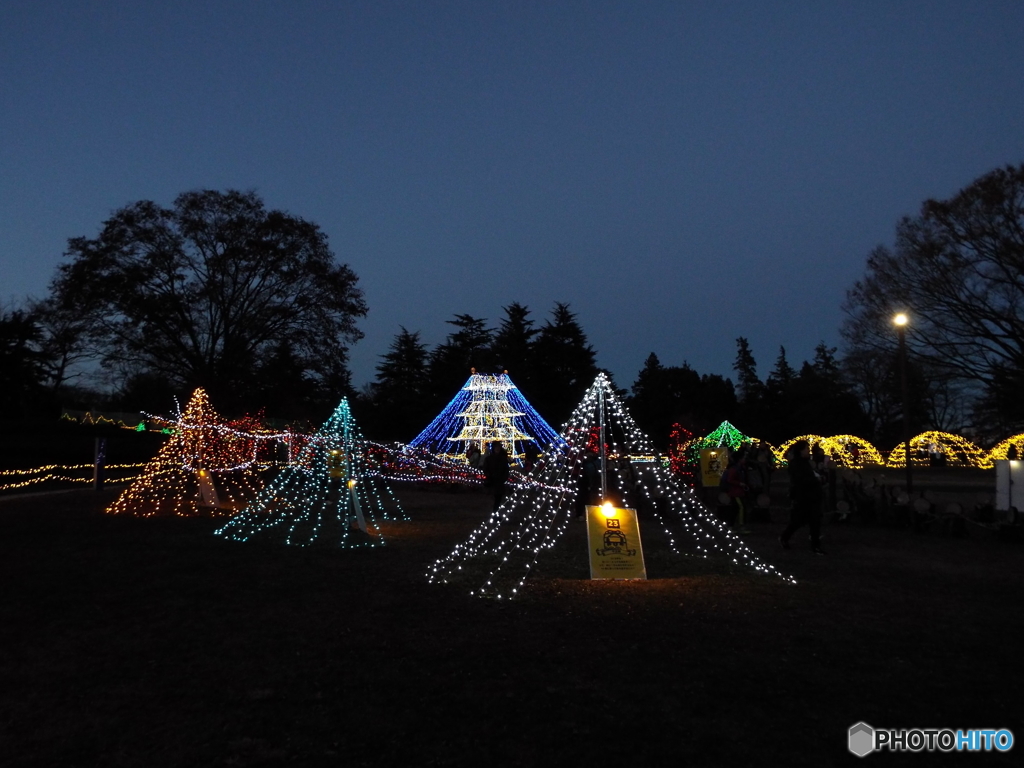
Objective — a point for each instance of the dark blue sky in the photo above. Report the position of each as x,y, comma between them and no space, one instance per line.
681,173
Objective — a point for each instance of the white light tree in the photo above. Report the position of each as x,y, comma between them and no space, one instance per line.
500,554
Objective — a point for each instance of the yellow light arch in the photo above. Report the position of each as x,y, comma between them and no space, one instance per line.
851,452
1001,451
959,451
846,451
783,450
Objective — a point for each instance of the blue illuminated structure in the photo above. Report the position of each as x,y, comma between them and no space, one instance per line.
488,409
329,494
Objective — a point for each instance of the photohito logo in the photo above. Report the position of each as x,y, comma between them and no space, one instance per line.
863,739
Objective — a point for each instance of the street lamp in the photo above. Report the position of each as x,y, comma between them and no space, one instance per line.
900,321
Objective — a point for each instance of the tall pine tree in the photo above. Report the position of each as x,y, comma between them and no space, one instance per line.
467,347
399,393
512,349
566,365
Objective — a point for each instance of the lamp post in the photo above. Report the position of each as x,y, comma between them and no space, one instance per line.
900,321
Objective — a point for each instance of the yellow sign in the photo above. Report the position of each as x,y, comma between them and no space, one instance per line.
614,538
713,462
336,464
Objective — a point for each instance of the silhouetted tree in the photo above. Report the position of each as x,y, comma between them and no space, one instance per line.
401,407
819,401
565,364
750,390
513,346
650,401
207,292
22,371
748,385
62,343
667,395
450,363
958,270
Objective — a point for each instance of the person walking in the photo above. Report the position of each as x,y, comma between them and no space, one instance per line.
805,491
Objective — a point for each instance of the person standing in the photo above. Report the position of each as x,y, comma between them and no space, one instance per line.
805,491
734,483
496,471
764,462
589,486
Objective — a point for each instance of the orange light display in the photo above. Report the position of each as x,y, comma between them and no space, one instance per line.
206,467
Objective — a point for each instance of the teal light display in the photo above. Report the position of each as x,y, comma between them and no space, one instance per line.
499,555
329,494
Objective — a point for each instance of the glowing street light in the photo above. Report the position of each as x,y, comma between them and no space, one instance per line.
900,320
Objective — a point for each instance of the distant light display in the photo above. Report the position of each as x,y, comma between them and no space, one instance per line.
681,460
945,447
16,479
488,409
846,451
725,434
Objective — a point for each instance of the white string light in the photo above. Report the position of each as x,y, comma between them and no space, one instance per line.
536,515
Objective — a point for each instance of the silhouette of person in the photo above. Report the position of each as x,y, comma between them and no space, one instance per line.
805,491
496,471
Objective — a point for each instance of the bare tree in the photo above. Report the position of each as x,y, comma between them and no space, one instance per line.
958,270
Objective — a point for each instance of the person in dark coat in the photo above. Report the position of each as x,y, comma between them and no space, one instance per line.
805,491
589,488
496,471
734,483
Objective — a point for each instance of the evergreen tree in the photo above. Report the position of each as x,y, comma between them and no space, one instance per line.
781,377
647,401
777,423
717,403
399,393
451,363
566,365
751,392
512,349
749,385
667,395
21,364
825,364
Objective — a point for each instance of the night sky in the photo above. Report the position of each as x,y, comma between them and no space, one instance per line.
681,173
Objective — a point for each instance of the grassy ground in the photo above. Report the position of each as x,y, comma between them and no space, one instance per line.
128,642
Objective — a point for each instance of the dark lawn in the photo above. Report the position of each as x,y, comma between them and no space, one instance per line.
149,642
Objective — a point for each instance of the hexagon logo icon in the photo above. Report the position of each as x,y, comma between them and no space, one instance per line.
862,739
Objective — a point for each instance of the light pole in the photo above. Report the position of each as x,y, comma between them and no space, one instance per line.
900,321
